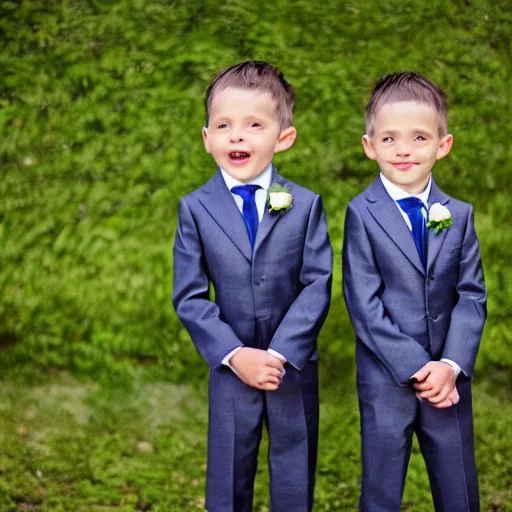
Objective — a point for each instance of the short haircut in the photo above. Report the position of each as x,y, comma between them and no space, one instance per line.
406,86
256,75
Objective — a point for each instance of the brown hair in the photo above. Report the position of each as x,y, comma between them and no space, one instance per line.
257,75
406,86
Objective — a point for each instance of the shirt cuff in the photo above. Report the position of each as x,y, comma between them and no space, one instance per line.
453,364
276,354
280,357
227,358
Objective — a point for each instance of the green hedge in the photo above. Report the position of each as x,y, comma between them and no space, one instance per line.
101,112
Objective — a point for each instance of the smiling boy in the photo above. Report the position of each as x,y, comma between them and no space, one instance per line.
269,262
417,301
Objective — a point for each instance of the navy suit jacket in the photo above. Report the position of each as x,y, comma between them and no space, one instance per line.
404,315
284,284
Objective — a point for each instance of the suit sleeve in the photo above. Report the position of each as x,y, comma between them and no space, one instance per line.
213,338
468,315
362,283
295,338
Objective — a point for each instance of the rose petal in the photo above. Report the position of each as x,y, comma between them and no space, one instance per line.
280,199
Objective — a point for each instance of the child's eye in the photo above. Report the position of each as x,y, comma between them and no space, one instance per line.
223,125
387,140
255,125
420,138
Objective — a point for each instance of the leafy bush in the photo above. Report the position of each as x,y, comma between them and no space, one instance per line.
101,112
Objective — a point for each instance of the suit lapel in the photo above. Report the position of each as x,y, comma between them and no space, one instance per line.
219,203
269,221
388,216
435,241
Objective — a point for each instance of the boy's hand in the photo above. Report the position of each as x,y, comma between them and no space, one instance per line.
257,368
436,380
452,399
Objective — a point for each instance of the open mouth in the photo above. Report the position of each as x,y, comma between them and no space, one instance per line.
239,157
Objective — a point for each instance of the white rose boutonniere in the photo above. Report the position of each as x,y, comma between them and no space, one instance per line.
279,198
439,218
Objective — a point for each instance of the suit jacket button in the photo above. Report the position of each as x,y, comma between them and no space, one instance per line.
431,277
257,282
434,318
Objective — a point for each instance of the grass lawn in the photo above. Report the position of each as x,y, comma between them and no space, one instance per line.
138,443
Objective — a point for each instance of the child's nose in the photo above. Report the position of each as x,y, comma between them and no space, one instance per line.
403,149
235,135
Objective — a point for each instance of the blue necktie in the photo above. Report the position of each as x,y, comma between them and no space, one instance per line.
250,212
413,207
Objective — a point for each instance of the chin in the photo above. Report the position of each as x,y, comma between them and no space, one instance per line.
241,176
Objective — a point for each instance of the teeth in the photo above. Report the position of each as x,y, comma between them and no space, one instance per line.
235,154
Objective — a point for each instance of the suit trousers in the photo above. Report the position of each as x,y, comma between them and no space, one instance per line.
389,416
237,413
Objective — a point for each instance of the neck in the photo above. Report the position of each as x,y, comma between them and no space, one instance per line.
415,189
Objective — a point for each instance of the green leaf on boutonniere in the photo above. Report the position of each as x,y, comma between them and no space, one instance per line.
439,225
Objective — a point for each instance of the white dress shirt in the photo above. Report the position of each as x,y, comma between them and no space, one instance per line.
263,180
260,197
396,193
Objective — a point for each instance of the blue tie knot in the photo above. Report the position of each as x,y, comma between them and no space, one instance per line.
411,204
245,191
249,211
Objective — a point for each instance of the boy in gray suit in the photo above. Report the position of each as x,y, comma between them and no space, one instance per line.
414,289
262,243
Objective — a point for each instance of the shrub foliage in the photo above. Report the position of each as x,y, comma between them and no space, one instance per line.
101,111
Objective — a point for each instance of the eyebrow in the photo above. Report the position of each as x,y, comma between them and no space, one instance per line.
248,117
415,131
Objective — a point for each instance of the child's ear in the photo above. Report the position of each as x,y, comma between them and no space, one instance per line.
205,139
286,139
368,147
445,146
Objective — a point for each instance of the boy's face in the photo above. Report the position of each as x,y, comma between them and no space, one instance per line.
243,132
406,143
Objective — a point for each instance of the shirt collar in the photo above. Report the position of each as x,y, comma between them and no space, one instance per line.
397,193
263,179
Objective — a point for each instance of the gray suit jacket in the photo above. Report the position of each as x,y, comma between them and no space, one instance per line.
282,287
404,315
